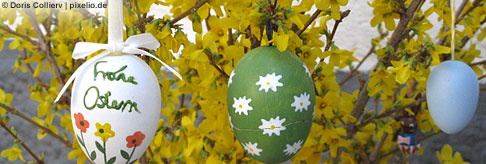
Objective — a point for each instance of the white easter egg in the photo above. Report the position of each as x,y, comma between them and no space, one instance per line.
452,95
115,109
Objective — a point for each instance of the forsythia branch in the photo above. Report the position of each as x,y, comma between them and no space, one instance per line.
478,63
45,46
377,148
390,111
190,11
460,17
396,38
363,96
39,161
311,19
9,109
399,32
140,20
10,31
482,77
355,70
213,63
334,29
466,38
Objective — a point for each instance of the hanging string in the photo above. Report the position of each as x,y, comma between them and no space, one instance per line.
453,29
269,26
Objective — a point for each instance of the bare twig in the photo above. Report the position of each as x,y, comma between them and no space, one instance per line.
12,110
355,70
334,29
461,8
141,19
363,155
307,24
377,147
181,102
25,37
213,63
466,38
38,32
231,40
39,161
88,15
482,77
399,32
478,63
389,112
190,11
45,47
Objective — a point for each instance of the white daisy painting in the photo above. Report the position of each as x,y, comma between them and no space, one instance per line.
231,77
272,126
307,70
301,102
270,81
292,149
252,148
242,105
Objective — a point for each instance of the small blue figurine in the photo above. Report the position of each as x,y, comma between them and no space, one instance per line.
408,141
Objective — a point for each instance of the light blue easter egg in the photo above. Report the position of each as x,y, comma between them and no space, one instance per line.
452,95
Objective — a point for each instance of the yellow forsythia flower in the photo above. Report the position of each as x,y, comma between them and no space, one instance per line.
13,153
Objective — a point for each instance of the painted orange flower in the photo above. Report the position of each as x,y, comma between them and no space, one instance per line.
135,139
81,123
104,131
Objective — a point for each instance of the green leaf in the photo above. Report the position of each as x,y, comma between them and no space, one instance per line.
124,154
100,148
93,155
111,161
80,141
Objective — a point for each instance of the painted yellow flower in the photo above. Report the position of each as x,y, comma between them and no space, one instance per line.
104,131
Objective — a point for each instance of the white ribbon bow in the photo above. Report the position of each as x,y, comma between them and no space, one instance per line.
131,46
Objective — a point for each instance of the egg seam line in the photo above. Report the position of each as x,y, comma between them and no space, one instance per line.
256,130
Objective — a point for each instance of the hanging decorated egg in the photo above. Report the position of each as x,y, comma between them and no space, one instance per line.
115,108
452,95
271,102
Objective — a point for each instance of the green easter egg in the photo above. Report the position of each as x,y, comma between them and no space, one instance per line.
271,103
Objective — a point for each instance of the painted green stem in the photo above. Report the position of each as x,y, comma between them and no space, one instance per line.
104,152
84,144
131,154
